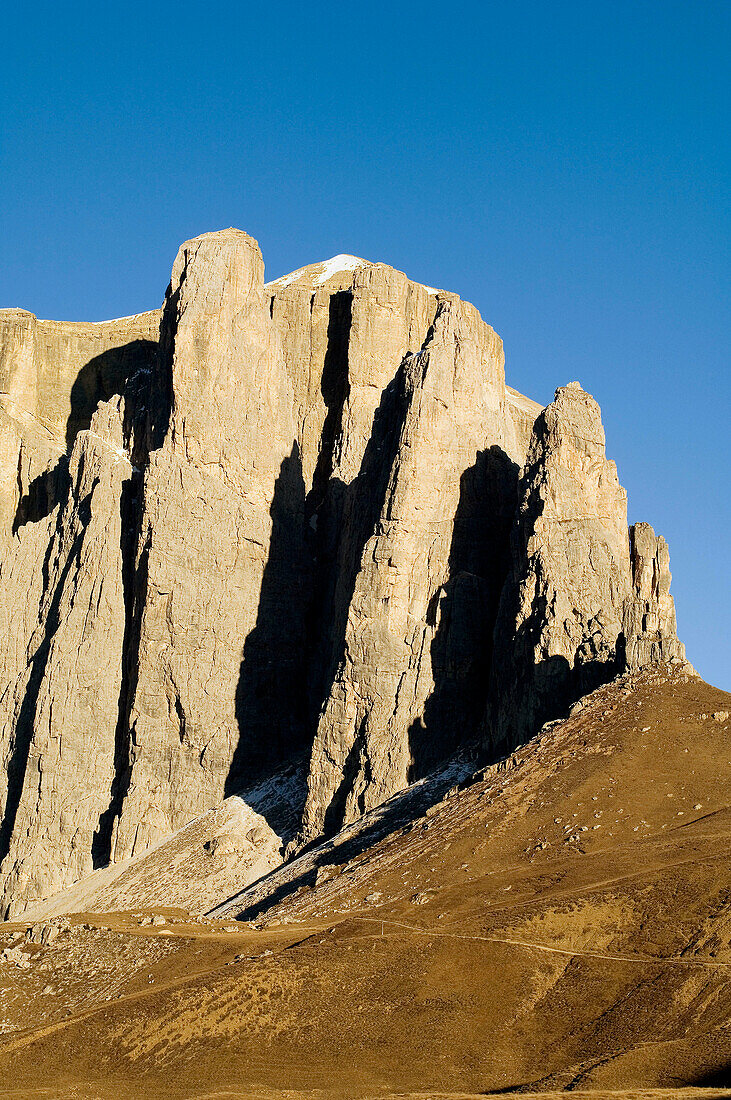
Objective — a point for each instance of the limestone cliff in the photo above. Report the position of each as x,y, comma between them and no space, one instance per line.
61,711
218,552
572,601
345,326
649,617
410,671
66,479
309,518
53,374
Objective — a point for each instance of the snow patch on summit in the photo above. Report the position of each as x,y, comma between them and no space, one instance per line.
330,267
325,270
343,262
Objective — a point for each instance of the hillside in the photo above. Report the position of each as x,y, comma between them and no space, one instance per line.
559,921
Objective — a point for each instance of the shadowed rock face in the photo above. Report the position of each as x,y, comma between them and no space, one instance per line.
296,524
53,374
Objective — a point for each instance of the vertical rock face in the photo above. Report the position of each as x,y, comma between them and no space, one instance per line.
413,659
649,625
346,326
297,523
61,709
559,632
53,374
212,684
62,614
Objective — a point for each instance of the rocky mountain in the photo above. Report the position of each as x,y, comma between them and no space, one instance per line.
299,520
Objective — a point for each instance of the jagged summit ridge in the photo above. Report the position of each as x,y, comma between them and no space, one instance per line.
302,517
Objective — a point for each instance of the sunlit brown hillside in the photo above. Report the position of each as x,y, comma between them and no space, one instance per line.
561,922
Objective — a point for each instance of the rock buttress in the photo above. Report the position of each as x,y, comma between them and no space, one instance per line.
559,631
412,668
213,670
65,479
61,712
584,598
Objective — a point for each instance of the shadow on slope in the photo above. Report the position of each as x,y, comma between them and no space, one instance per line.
399,812
716,1078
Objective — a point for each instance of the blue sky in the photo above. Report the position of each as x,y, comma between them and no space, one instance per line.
564,166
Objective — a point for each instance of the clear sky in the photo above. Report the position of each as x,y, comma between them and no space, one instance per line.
563,165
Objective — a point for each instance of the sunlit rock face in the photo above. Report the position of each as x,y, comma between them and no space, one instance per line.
304,517
650,627
218,550
559,632
580,603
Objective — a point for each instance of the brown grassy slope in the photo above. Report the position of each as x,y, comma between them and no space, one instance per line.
503,940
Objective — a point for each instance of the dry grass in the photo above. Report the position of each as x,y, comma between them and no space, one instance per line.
509,944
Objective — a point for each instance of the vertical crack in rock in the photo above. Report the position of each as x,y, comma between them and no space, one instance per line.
133,579
335,387
371,731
